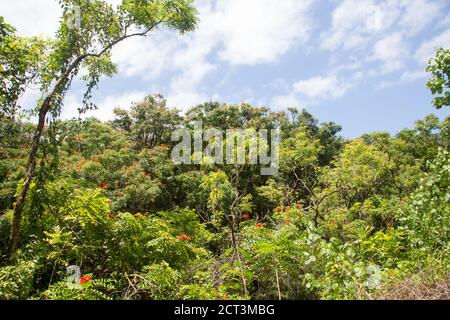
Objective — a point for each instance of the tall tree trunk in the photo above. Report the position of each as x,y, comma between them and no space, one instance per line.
64,79
30,170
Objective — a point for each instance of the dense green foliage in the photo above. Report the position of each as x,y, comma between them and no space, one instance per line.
341,219
439,84
88,31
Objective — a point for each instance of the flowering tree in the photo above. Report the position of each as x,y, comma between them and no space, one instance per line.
87,44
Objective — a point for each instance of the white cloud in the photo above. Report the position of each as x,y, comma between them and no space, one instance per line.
34,18
428,48
417,14
406,77
392,52
446,21
31,17
384,28
145,58
260,31
357,23
286,101
313,90
247,32
324,88
353,21
105,105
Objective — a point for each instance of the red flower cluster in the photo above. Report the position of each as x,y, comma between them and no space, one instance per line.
183,237
259,225
245,216
85,279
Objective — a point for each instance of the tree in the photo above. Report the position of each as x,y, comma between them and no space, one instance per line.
150,122
439,67
20,61
88,46
360,172
299,162
427,216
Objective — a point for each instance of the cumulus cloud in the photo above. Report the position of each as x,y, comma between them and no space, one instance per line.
385,29
322,87
357,23
391,51
145,59
353,21
238,33
260,31
105,105
418,14
285,101
31,17
428,48
406,77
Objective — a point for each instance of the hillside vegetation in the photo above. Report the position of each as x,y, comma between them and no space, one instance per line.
342,219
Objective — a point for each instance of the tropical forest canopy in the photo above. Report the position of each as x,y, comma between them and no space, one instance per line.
363,218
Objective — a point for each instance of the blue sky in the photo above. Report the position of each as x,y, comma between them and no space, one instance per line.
359,63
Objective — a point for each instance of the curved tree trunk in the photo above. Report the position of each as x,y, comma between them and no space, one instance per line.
30,169
64,79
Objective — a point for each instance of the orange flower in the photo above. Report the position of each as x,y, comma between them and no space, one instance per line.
259,225
287,220
80,165
287,209
138,216
85,279
245,216
278,209
183,237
